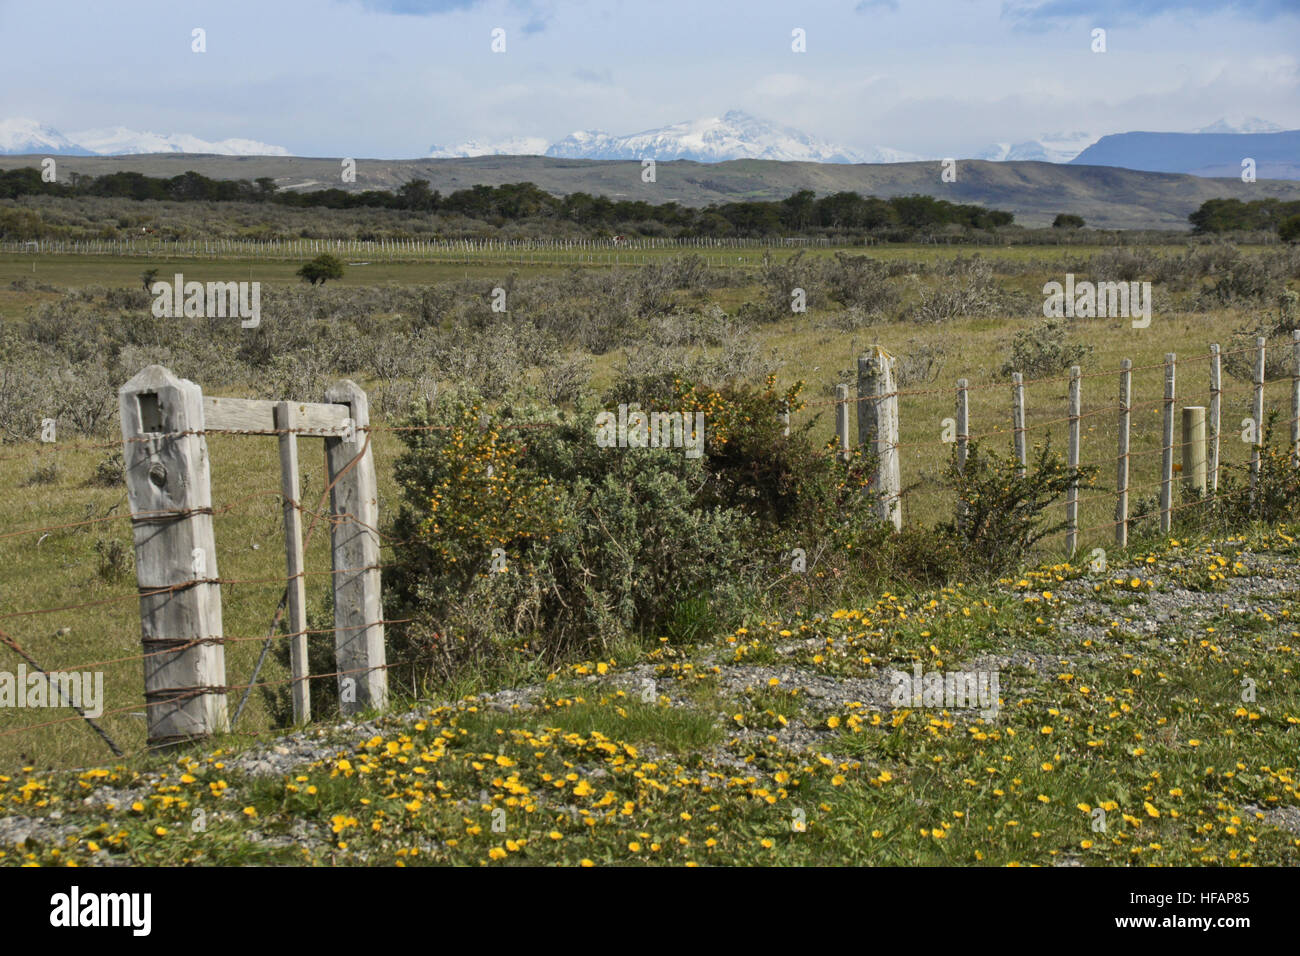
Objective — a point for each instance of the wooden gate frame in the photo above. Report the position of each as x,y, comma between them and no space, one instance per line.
165,457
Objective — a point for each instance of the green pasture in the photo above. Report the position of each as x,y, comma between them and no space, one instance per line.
52,519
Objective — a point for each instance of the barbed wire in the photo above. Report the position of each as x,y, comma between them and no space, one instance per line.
1200,502
179,696
1085,499
142,515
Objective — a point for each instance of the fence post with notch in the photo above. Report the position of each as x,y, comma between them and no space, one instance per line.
169,488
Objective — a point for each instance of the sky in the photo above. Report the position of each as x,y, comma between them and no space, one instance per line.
392,78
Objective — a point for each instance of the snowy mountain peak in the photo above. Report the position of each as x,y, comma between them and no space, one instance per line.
519,146
120,141
19,136
1241,124
734,135
1052,148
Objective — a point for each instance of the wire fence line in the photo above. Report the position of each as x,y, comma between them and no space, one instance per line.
413,248
997,401
1101,433
608,250
150,652
618,251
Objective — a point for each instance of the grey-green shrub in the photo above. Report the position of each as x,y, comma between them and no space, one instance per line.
1043,349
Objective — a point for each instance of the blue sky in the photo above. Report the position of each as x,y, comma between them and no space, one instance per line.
389,78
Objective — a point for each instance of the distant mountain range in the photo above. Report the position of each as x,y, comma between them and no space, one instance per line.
21,136
734,135
1067,147
740,135
1212,151
1053,148
519,146
1276,155
1241,124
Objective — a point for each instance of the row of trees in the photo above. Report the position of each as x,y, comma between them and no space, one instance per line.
1232,215
801,213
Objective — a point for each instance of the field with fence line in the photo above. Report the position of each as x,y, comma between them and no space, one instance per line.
68,595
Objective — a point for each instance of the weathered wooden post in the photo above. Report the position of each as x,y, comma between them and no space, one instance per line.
354,509
1216,403
1167,446
842,419
169,489
963,422
1295,398
878,426
784,414
1121,457
1018,421
963,438
1072,495
1194,470
1257,413
285,423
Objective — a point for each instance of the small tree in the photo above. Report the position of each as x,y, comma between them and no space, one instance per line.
321,268
1289,230
1044,349
416,196
148,277
1067,220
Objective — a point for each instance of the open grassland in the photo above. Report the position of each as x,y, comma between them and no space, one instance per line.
65,540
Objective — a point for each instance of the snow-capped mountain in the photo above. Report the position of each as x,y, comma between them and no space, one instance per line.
734,135
1241,124
518,146
18,136
1052,148
885,154
120,141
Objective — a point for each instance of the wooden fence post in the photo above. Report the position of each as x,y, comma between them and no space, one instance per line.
1072,496
1295,398
169,490
1167,446
1018,421
1216,404
784,414
1194,448
842,419
963,436
878,425
295,565
963,422
354,508
1257,413
1121,457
